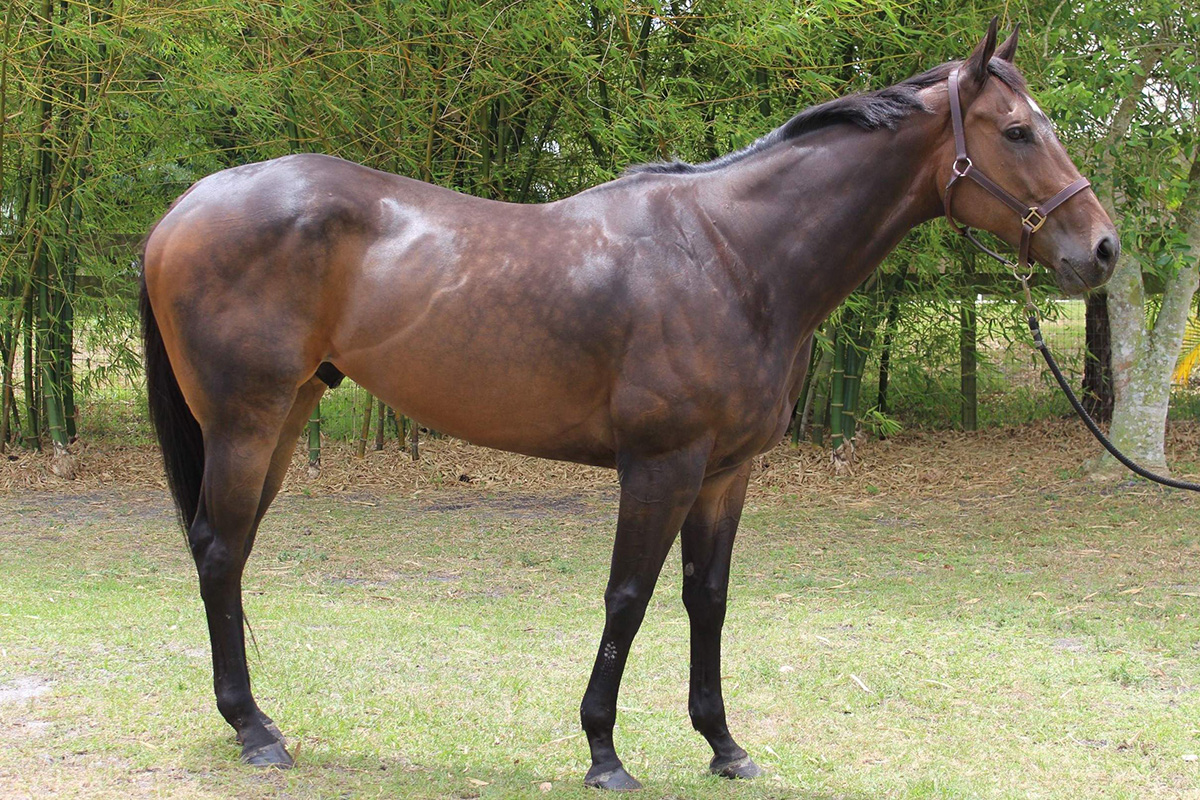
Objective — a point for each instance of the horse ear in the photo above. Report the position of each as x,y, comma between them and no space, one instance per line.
1006,51
975,68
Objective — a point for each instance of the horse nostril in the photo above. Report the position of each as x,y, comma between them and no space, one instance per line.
1106,251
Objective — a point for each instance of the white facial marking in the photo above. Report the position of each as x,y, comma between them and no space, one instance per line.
1033,104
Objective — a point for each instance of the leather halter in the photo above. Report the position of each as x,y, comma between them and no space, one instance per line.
1032,217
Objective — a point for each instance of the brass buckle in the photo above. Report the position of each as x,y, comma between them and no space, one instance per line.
1029,220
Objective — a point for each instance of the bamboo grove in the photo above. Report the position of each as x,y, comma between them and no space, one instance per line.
111,108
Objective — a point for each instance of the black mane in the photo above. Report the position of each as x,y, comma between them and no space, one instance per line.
883,108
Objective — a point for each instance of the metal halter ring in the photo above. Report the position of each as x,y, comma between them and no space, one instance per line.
1015,269
959,173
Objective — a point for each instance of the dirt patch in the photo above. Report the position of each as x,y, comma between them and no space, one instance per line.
23,690
519,505
95,505
1045,455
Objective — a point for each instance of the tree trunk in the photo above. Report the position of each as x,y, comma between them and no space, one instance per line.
1142,357
1097,369
1138,355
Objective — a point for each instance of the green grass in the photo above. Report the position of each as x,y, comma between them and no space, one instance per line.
1041,645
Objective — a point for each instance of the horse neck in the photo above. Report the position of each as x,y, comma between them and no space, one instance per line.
826,209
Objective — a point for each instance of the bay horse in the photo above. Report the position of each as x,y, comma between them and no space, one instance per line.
659,324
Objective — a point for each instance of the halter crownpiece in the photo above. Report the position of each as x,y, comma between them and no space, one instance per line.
1032,217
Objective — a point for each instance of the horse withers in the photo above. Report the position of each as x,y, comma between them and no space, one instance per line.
659,324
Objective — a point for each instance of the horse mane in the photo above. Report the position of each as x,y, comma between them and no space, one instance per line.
883,108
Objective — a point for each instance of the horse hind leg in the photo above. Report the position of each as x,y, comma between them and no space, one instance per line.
244,466
306,400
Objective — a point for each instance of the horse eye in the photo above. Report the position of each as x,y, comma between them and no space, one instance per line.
1016,134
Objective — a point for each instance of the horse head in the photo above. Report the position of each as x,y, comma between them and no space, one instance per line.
1006,172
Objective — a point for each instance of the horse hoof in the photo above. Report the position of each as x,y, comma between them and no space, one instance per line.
268,755
273,729
614,780
742,768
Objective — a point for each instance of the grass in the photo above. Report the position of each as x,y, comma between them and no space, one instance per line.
1041,644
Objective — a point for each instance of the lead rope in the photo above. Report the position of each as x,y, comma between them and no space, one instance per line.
1040,343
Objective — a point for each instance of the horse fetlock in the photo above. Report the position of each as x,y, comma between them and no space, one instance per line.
597,721
238,708
708,719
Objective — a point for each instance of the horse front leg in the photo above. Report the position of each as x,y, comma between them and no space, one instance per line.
707,546
656,494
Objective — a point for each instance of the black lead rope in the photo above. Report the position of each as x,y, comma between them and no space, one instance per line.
1082,412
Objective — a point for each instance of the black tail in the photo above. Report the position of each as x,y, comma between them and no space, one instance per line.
177,430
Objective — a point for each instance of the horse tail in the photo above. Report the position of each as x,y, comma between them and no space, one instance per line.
176,428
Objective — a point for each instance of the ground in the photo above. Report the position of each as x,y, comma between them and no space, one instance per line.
962,617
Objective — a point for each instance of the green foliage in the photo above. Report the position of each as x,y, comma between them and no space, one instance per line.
110,110
1147,170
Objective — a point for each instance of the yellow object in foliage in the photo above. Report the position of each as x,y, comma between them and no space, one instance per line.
1189,353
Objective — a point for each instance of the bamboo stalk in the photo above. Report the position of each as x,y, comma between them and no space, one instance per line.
837,390
396,425
885,355
851,382
5,388
8,18
804,408
821,395
485,155
967,319
365,428
48,328
32,440
314,442
379,422
535,156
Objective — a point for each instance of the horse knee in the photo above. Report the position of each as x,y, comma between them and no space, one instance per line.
705,601
625,607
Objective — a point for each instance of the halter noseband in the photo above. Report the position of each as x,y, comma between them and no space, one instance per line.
1032,217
